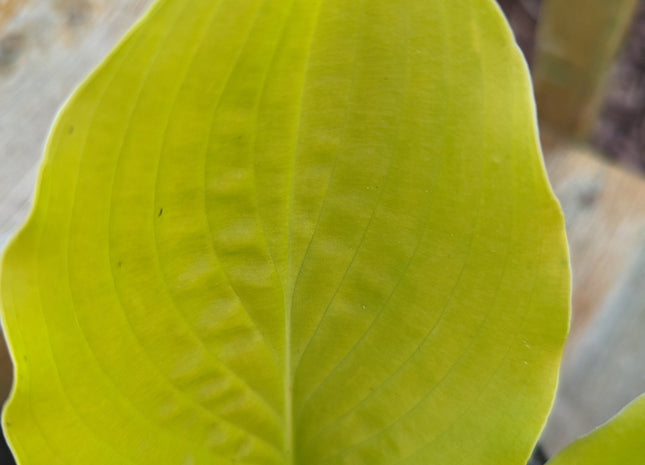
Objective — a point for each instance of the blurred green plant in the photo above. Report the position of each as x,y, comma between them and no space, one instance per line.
292,232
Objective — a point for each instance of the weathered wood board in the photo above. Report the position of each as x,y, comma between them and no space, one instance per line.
46,49
576,44
603,369
604,208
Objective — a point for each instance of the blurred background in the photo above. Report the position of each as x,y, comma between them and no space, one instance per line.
587,59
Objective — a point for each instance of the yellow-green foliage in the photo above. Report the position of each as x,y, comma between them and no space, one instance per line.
291,232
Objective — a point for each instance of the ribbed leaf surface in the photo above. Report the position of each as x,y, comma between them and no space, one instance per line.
295,232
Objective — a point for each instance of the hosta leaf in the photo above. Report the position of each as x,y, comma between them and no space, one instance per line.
291,232
620,440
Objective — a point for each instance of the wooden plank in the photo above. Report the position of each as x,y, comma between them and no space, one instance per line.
602,371
46,49
576,45
604,207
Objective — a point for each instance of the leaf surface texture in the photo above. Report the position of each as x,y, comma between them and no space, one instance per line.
297,232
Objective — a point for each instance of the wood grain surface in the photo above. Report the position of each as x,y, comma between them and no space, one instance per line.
46,49
603,369
577,42
604,207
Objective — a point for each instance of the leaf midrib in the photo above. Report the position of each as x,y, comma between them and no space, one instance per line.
288,290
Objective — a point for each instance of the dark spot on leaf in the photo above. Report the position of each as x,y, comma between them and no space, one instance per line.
119,264
160,212
70,129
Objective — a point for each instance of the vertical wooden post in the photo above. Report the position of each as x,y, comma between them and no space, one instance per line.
576,45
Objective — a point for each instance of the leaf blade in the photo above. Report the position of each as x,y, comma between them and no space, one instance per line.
219,252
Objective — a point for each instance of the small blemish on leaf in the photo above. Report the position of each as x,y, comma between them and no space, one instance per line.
119,264
70,129
160,212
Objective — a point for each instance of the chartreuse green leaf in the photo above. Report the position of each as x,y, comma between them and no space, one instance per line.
619,441
292,232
